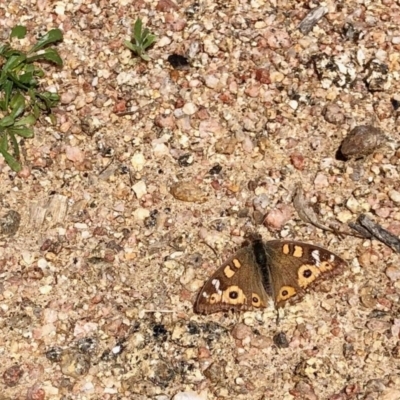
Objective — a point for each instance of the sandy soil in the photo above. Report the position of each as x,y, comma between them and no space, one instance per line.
152,177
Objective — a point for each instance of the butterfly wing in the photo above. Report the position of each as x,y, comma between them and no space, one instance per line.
236,285
294,266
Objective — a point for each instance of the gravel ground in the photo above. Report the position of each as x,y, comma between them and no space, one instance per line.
153,175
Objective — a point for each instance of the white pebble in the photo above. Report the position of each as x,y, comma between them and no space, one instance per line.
138,161
345,216
353,205
141,213
140,189
190,396
45,289
189,108
394,195
211,81
210,47
164,41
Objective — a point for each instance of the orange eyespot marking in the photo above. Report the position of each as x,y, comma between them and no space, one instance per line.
307,273
229,272
285,249
298,251
285,293
236,263
214,298
325,266
256,301
233,295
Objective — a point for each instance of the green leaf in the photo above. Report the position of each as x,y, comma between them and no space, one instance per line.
17,104
14,143
130,45
48,55
148,41
4,142
12,52
36,110
14,61
53,119
22,131
27,79
27,120
7,88
137,29
6,121
50,99
38,72
145,57
52,36
11,161
3,48
18,31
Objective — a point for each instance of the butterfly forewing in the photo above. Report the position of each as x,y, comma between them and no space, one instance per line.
236,285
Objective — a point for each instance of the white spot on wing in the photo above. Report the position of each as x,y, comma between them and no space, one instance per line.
315,256
216,283
332,258
206,295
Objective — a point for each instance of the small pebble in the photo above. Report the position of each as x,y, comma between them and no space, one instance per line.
393,273
188,191
394,195
280,340
74,364
277,218
74,154
12,375
333,114
225,146
297,160
189,108
166,5
140,189
321,181
190,396
241,331
9,223
344,216
141,213
353,205
361,141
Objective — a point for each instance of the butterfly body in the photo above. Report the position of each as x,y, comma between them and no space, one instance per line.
277,269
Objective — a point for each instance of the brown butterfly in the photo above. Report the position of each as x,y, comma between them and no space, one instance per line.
278,269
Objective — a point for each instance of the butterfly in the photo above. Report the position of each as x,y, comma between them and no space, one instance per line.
277,269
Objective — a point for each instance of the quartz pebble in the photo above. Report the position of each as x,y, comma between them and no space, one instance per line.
140,189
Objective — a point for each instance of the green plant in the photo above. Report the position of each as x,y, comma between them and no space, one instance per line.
143,39
21,101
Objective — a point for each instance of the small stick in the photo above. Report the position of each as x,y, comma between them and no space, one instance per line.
308,215
376,231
